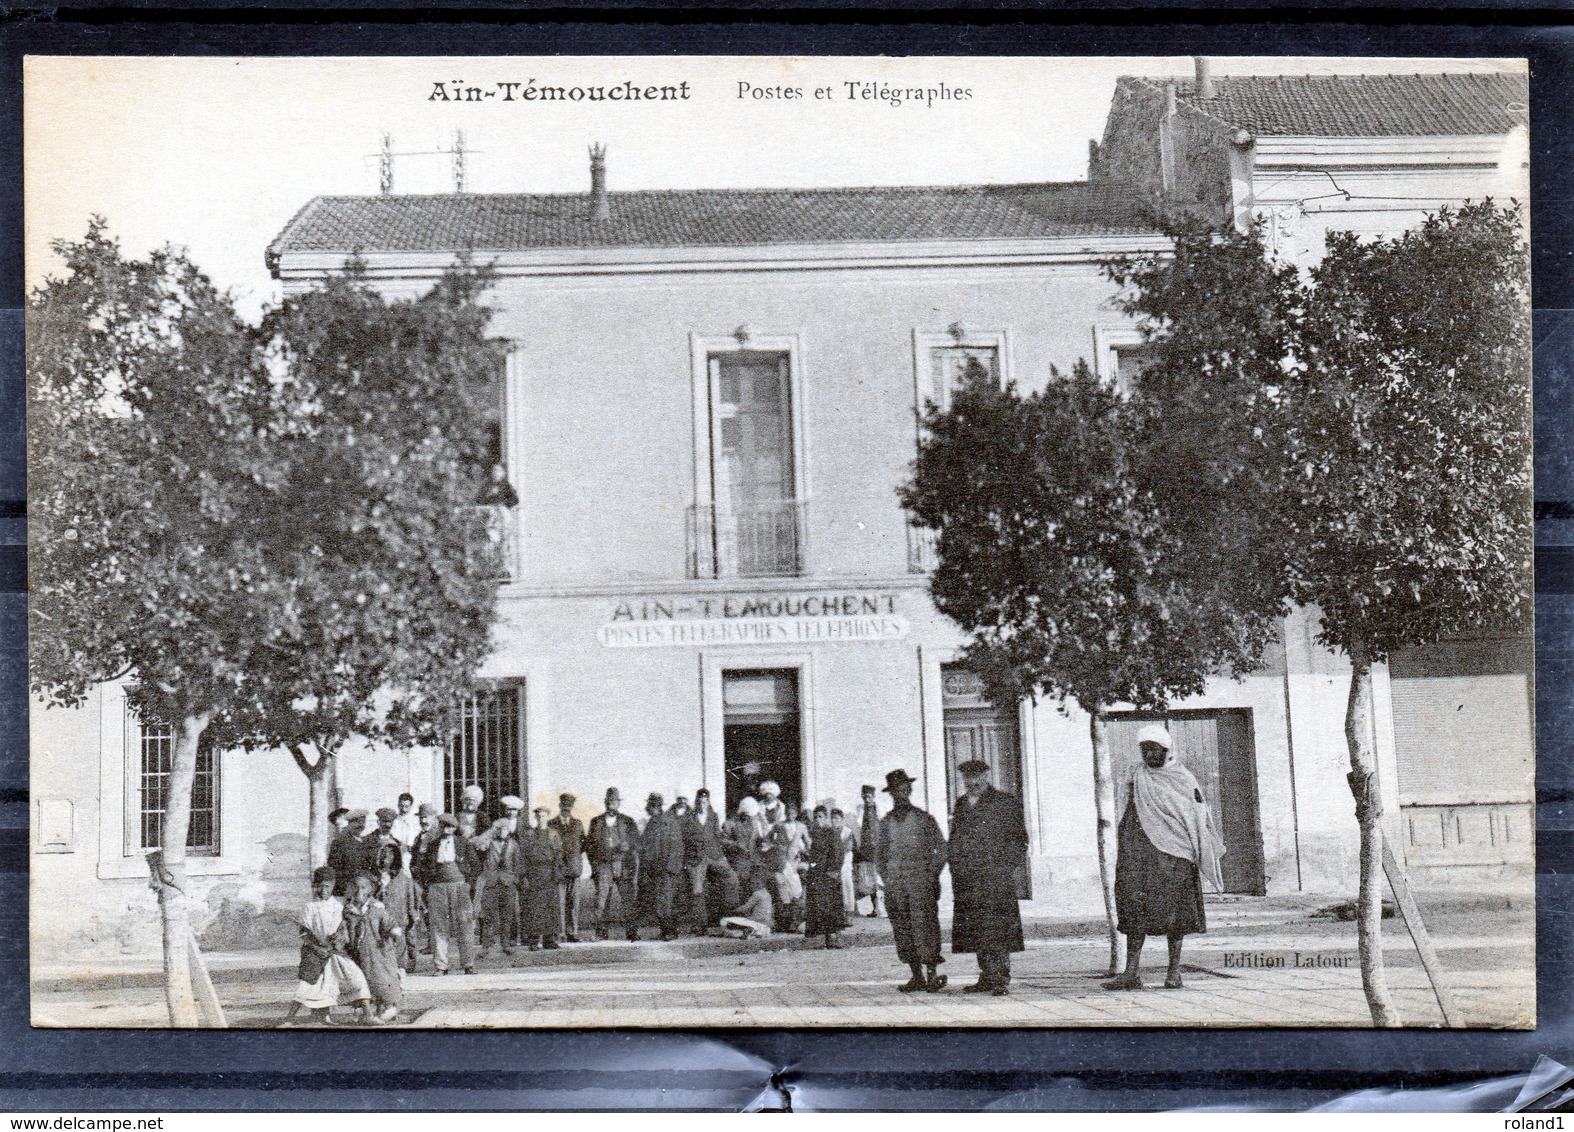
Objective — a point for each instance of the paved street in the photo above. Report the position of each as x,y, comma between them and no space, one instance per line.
1243,973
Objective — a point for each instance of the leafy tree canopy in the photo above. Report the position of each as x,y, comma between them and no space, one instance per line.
1408,408
273,527
1057,554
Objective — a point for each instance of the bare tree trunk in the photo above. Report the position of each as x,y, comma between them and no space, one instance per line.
1369,813
1104,809
318,780
170,876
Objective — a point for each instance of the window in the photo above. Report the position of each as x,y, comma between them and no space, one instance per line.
943,361
1120,354
487,749
154,754
951,367
499,499
1130,361
752,525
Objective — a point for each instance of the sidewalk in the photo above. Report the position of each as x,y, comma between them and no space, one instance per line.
1263,963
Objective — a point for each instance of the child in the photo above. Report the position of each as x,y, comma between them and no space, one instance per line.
396,889
823,887
327,976
374,941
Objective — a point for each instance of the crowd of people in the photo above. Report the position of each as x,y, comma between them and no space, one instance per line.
453,886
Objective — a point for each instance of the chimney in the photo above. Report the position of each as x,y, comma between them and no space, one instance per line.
1204,77
600,209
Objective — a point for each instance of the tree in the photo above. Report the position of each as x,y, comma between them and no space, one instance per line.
392,573
1369,424
1057,553
1408,411
175,490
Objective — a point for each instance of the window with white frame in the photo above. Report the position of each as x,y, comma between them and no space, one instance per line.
748,518
945,361
150,759
1120,354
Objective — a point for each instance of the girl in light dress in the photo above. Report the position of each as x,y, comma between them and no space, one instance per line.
327,976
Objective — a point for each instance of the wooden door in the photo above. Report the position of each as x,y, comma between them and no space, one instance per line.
988,734
1216,746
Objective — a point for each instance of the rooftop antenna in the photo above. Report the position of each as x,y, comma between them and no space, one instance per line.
458,153
385,166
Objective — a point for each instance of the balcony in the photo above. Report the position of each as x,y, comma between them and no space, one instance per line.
921,555
758,541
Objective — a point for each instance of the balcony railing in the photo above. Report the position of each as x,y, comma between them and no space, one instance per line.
758,541
502,528
921,557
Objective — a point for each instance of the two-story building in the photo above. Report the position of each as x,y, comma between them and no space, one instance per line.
709,402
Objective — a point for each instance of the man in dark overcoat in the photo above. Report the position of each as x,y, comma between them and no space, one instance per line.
988,847
910,857
612,844
660,866
571,832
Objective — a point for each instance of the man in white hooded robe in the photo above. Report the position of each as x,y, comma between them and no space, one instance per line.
1167,851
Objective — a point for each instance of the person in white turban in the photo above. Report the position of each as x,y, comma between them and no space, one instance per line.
1167,851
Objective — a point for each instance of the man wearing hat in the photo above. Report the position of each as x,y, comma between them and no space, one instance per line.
1166,850
910,856
612,844
660,866
711,879
380,838
470,816
345,852
443,864
571,834
429,832
772,809
541,857
498,886
988,848
866,878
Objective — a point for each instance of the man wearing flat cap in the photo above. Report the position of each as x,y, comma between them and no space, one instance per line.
571,834
910,856
988,848
497,888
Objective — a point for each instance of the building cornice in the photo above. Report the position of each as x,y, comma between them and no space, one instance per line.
1380,155
582,262
719,586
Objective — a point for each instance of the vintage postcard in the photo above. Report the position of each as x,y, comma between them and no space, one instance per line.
558,535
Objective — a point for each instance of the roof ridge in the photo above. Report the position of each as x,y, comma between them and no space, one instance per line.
719,191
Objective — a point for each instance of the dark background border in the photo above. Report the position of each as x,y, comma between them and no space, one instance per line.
1064,1070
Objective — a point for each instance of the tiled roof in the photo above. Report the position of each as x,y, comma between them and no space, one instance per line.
708,218
1367,106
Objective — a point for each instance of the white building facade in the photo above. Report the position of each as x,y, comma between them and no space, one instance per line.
709,403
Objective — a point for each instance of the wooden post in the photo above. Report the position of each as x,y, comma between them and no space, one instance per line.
1411,911
209,1010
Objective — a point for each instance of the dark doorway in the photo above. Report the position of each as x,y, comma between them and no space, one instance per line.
760,734
1217,747
976,729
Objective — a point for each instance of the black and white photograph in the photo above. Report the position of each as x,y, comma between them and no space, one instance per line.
776,542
